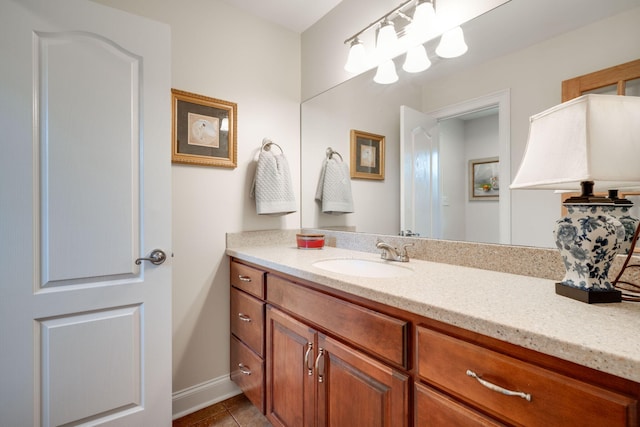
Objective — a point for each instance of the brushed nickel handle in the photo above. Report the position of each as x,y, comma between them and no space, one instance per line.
320,354
244,369
306,358
244,317
244,278
156,257
497,388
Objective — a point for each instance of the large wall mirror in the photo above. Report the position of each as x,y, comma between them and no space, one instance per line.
505,84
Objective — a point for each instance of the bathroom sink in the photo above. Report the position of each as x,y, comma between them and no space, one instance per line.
363,267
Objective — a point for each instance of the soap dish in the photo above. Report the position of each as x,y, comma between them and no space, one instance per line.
310,241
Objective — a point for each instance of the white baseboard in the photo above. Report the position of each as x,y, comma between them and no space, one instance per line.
202,395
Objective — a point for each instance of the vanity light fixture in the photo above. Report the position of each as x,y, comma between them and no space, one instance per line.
590,143
386,73
357,60
452,44
422,26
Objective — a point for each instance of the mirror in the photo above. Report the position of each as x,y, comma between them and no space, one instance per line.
509,56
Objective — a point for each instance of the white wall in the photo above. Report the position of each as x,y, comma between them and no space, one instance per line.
534,76
221,52
482,217
460,141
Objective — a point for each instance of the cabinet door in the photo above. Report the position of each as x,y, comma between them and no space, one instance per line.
290,376
356,390
436,409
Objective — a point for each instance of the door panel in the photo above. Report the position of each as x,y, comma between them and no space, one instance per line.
290,375
419,171
87,93
357,390
84,191
90,354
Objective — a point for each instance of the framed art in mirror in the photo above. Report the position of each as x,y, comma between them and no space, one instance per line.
203,130
484,182
367,155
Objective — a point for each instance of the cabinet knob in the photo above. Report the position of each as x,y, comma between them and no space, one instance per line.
244,317
244,278
244,369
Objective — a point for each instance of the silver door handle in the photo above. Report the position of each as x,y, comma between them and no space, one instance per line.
156,257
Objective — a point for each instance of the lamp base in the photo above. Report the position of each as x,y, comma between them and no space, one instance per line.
590,297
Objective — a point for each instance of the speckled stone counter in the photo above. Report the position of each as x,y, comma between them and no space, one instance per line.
515,308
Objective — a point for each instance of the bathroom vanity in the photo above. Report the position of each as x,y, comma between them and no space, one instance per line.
442,345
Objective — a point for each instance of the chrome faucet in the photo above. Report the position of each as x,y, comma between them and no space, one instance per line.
393,254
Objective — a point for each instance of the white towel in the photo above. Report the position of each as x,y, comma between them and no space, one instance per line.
334,187
272,187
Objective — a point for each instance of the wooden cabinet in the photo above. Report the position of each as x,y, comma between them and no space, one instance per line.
247,332
433,408
513,390
313,379
291,393
307,355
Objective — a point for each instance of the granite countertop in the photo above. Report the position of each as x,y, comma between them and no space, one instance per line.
518,309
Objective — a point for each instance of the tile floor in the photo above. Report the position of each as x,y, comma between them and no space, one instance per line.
234,412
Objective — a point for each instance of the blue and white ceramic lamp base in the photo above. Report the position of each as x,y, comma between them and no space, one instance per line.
589,238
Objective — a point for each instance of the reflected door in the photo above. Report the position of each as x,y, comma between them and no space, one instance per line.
419,184
84,192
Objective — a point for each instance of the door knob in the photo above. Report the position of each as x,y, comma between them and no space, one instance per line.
156,257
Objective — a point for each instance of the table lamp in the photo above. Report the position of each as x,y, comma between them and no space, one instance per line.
587,144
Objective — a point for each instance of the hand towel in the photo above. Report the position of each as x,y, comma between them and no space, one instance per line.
334,187
272,187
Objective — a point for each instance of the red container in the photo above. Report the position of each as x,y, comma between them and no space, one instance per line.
310,241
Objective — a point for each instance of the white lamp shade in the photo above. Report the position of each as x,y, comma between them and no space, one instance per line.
387,41
416,60
590,138
423,23
386,73
452,44
357,59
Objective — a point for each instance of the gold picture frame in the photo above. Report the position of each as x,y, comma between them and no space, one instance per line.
367,155
203,130
484,183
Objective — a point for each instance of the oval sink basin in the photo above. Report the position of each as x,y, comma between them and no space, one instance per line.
363,267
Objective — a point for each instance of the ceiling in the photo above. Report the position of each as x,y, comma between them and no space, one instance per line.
296,15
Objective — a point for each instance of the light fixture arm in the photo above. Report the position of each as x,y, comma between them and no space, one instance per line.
397,10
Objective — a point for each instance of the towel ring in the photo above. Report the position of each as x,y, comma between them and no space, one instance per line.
331,152
267,143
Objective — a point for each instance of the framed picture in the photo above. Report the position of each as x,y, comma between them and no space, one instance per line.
367,155
484,179
203,130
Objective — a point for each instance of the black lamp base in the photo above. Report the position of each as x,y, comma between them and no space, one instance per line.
590,297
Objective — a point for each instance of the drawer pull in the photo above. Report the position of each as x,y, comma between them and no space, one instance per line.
320,375
499,389
306,358
244,278
244,317
244,369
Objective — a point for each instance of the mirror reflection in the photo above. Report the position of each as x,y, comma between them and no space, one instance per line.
529,77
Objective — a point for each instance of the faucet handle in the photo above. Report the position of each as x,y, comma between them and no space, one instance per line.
403,252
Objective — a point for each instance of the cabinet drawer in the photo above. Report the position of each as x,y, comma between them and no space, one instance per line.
248,279
247,320
369,330
436,409
247,371
555,399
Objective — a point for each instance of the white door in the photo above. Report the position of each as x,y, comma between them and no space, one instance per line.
419,182
84,191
